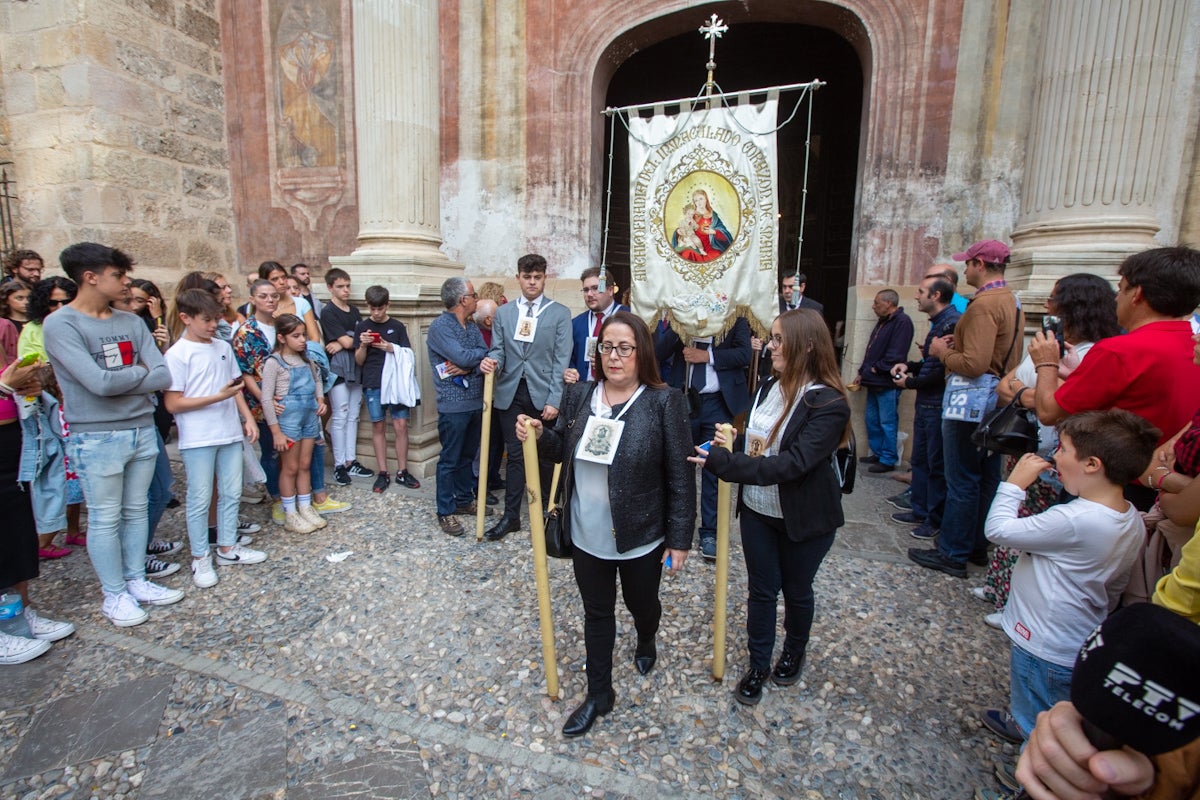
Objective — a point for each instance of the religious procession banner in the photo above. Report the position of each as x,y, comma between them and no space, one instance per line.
703,218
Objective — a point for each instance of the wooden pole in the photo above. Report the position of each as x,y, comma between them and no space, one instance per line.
537,532
721,594
485,446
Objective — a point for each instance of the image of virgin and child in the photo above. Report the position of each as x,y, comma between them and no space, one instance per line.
700,234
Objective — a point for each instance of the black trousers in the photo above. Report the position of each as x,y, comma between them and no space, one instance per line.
597,580
514,479
774,562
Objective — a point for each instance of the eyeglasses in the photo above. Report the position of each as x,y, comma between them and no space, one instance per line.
56,303
590,289
776,340
472,295
623,350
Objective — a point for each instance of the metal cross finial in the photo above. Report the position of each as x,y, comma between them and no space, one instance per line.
712,31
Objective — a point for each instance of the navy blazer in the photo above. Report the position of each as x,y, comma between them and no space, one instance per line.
809,493
730,358
581,329
805,302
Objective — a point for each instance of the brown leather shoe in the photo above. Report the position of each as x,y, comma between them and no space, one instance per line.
450,526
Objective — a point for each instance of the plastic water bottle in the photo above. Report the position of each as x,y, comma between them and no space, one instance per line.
12,615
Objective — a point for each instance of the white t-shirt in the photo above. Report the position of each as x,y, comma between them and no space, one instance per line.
1074,564
201,369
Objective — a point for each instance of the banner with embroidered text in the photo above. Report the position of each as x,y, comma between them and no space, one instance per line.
704,218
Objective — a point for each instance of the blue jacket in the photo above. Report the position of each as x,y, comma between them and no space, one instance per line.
928,376
42,450
887,347
730,359
581,329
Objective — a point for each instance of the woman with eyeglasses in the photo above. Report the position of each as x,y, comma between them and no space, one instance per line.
628,495
790,500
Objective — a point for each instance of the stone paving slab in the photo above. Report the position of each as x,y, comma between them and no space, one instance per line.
240,757
85,726
400,777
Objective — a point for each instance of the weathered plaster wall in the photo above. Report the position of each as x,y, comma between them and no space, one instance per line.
116,121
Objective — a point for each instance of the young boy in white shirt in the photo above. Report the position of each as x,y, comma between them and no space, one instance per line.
1075,558
206,398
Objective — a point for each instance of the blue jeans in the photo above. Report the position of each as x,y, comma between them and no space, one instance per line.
459,434
712,411
928,465
268,459
1034,686
116,468
160,488
883,423
972,475
773,563
201,463
316,469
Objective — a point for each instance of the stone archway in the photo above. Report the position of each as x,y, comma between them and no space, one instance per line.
909,53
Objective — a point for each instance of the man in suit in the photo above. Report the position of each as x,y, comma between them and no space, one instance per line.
585,328
715,379
531,347
791,294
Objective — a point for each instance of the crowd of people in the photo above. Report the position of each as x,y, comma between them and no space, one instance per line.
97,367
1078,525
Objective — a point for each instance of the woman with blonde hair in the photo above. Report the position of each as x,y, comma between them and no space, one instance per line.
790,500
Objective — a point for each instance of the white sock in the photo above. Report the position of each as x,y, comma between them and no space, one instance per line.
289,504
304,500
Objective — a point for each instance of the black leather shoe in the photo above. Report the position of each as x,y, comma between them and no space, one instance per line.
932,559
787,669
749,688
644,656
503,528
980,559
582,718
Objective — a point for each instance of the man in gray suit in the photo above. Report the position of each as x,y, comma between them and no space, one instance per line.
531,347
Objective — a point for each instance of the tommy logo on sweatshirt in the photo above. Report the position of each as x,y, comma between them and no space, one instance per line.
115,355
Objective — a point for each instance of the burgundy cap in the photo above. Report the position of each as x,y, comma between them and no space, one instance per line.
989,250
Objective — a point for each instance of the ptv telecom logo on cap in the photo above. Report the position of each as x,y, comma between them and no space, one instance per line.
1152,699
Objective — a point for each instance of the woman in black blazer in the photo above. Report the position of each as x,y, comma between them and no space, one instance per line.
790,502
626,516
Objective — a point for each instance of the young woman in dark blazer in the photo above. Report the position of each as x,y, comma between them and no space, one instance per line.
790,502
627,517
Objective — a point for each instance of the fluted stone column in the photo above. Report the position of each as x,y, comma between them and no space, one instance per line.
396,113
1108,138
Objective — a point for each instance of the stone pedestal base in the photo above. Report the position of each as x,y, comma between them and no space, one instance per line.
1033,271
414,283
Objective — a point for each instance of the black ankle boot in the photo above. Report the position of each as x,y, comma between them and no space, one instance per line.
582,718
749,688
645,655
787,669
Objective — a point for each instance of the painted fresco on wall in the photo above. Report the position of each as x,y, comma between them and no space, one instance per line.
305,48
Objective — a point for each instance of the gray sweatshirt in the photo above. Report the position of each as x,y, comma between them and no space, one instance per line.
108,369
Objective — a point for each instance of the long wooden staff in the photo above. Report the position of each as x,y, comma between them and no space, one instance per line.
537,531
485,446
721,594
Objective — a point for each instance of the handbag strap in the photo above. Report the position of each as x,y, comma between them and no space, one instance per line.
552,504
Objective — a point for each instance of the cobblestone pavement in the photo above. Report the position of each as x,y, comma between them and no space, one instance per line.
413,669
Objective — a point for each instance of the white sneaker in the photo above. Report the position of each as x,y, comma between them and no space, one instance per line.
18,649
240,555
994,620
47,629
297,524
313,516
246,526
146,592
123,609
203,574
251,495
979,592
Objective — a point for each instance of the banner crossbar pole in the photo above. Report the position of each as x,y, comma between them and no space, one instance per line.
791,87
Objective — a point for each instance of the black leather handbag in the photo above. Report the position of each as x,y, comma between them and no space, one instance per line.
1011,429
558,540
